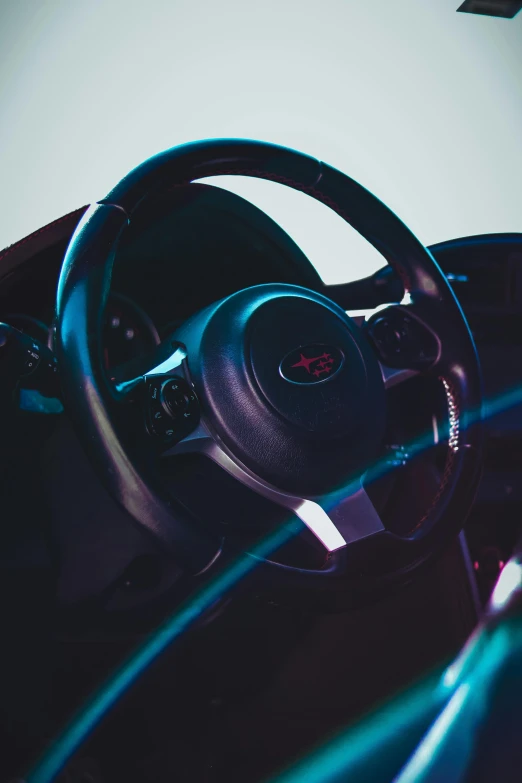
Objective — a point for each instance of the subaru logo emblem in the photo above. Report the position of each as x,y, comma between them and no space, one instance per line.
311,364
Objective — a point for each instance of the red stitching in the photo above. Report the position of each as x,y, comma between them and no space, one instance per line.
314,193
308,189
448,466
4,253
402,274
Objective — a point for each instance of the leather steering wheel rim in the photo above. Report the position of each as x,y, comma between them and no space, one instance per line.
92,401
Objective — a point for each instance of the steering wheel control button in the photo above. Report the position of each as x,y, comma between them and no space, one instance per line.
175,397
154,391
401,340
26,362
32,360
172,408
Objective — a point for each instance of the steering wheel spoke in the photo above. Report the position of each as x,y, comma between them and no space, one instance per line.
353,513
393,376
335,519
197,441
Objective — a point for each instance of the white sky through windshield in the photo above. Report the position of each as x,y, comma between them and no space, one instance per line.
420,104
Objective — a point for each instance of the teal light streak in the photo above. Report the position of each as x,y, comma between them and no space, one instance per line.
105,698
353,752
82,725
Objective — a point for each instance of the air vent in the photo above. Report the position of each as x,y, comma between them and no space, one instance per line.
484,271
482,283
488,282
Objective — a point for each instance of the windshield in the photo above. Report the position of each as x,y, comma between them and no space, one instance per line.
420,104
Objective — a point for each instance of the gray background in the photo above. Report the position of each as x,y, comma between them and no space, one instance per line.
419,103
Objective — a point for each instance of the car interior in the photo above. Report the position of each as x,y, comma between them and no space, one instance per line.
293,500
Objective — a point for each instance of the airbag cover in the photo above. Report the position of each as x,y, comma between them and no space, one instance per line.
301,435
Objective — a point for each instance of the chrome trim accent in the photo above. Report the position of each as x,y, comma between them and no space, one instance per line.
366,313
393,376
172,363
211,561
355,516
319,523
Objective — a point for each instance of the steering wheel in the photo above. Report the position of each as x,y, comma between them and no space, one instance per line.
275,383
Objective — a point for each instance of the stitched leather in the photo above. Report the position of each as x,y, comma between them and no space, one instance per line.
448,465
317,194
71,216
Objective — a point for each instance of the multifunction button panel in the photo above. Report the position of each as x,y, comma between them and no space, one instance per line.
172,408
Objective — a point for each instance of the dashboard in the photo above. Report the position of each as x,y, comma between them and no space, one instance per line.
196,244
128,331
200,243
191,247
